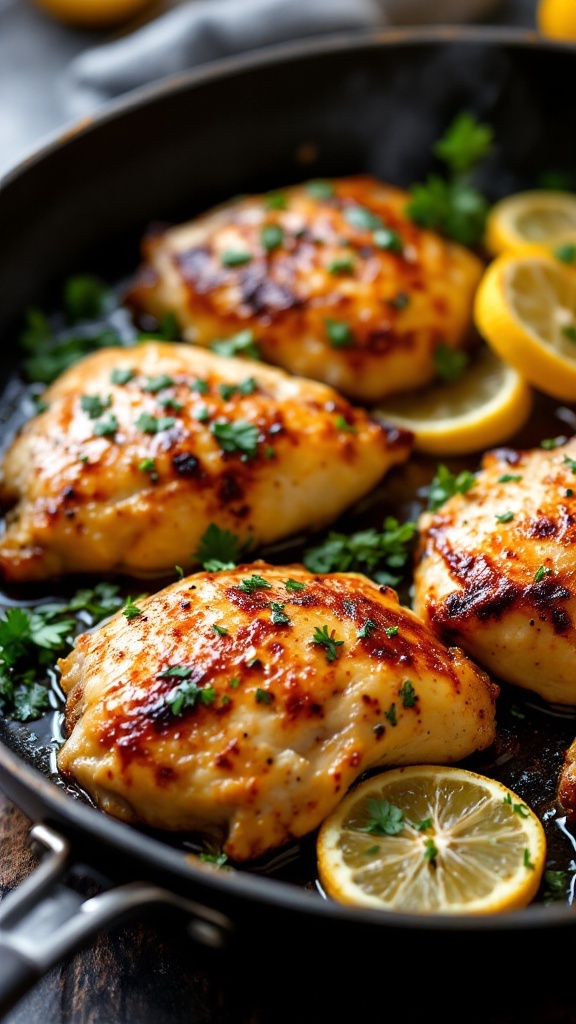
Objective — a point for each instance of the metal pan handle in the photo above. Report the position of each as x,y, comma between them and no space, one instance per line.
45,919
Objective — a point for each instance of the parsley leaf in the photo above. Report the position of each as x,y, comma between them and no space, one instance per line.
241,344
325,639
218,549
237,436
254,582
465,143
31,639
450,363
452,205
381,555
384,818
445,484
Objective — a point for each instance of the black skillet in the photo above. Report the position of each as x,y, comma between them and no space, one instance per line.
371,103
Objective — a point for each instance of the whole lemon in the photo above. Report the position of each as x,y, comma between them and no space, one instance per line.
557,19
94,13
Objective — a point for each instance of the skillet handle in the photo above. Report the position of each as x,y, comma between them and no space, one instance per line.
45,919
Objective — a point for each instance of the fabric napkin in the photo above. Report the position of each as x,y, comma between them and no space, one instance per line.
197,31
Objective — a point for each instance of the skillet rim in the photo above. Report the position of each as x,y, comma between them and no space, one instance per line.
247,888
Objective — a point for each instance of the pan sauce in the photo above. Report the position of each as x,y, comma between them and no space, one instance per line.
531,737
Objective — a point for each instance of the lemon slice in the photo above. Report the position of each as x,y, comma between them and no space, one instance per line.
541,220
94,13
464,844
556,19
484,407
525,308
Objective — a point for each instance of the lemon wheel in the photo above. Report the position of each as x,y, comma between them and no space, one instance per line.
556,19
95,13
488,403
432,840
525,309
539,219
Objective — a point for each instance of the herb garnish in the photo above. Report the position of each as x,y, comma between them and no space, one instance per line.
218,549
186,694
106,427
385,819
254,582
241,344
407,694
149,424
122,375
271,236
294,585
381,555
235,258
94,405
339,333
31,639
237,436
279,617
450,363
328,640
367,629
541,572
220,630
451,204
446,484
155,384
131,609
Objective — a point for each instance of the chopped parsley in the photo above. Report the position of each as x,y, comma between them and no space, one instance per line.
398,301
508,478
263,696
220,630
149,424
430,851
549,443
246,387
341,424
49,354
505,517
271,236
187,694
241,344
446,484
320,189
327,640
122,375
408,694
451,204
566,253
131,609
156,384
235,258
106,427
291,584
31,639
254,582
94,405
384,818
276,201
200,385
362,218
392,631
367,629
85,297
390,714
341,265
541,572
149,466
339,333
218,549
382,555
450,363
237,436
389,239
279,617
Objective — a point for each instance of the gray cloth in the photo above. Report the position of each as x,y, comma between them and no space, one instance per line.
198,31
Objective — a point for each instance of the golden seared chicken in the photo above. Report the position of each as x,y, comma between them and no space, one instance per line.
245,702
497,569
333,279
141,449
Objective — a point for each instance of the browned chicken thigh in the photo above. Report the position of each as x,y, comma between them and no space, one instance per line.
141,449
497,569
330,280
245,702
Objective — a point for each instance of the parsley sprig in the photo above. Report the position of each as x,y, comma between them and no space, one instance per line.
380,554
446,483
33,638
451,204
218,549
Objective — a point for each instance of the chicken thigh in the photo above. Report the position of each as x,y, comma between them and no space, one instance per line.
330,280
245,702
140,449
496,569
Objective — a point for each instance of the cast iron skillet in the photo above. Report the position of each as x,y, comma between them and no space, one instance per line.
373,103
